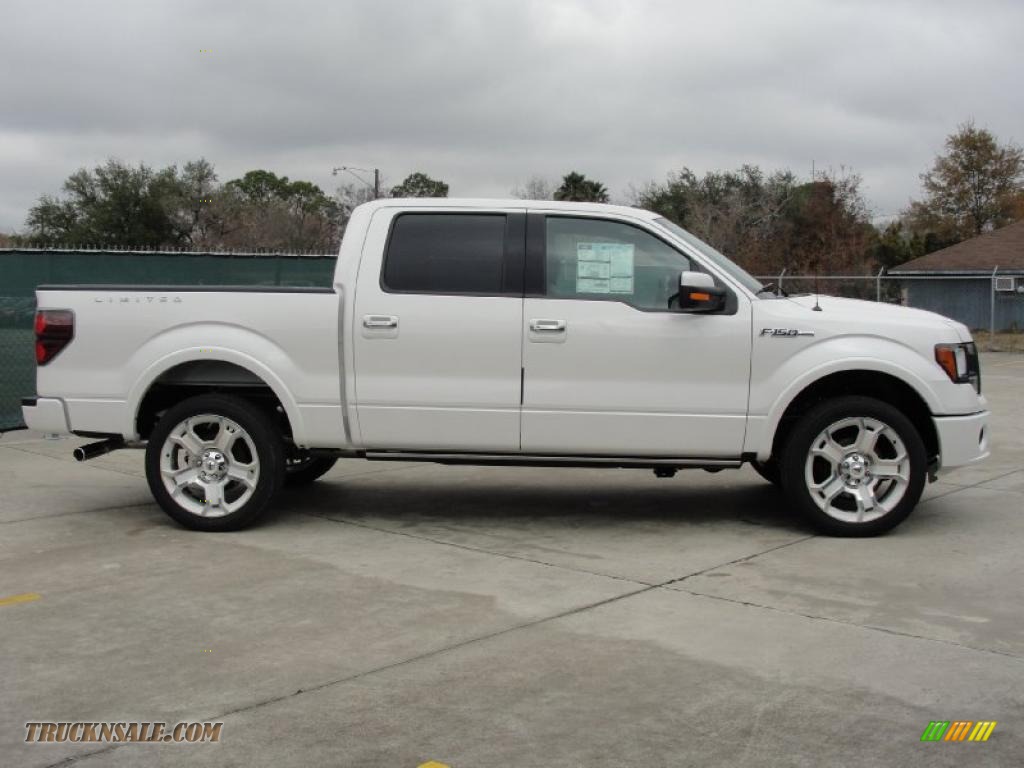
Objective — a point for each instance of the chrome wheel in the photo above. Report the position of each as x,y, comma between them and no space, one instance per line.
209,465
857,469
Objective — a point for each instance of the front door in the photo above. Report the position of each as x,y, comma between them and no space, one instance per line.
608,368
438,339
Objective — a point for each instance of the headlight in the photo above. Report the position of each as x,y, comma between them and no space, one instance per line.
960,362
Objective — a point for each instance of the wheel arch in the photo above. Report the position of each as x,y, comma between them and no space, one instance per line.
180,376
881,385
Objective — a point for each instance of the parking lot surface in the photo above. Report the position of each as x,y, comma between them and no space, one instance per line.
395,614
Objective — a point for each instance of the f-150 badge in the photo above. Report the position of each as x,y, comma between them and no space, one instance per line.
786,332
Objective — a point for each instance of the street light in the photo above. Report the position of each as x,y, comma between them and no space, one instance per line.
352,170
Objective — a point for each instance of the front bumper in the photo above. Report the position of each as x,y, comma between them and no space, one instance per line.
963,440
45,414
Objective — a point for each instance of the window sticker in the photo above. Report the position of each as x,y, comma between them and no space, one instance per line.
604,268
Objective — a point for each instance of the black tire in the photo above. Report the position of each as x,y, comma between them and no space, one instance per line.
299,472
828,414
769,470
264,438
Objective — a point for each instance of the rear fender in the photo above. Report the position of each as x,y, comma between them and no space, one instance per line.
210,353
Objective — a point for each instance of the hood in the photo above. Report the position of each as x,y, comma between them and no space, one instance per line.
878,318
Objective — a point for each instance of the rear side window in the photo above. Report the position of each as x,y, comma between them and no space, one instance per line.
445,253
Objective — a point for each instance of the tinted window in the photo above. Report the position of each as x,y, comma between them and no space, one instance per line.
445,253
595,259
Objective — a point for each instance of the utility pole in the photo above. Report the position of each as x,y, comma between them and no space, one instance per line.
352,170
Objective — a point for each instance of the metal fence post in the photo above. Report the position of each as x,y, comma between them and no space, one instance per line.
782,274
992,310
878,284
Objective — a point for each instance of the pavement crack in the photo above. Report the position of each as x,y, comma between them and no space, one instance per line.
480,550
65,461
743,559
960,487
843,622
383,668
146,503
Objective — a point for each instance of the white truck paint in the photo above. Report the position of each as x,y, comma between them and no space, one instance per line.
522,376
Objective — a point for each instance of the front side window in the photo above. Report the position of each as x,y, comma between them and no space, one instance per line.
597,259
735,271
445,253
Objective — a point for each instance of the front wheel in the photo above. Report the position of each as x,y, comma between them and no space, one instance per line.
214,462
854,466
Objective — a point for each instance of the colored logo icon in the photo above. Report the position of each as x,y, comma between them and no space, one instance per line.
958,730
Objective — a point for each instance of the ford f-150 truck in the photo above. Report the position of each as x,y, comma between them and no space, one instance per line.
513,333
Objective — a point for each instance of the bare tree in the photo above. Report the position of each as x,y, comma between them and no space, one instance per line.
535,188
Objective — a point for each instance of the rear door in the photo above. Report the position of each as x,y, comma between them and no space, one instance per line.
609,368
438,336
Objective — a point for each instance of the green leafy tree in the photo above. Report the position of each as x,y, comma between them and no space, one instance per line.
975,186
420,185
113,205
116,205
895,245
264,210
260,187
578,188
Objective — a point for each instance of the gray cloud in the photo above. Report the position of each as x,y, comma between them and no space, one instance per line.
485,94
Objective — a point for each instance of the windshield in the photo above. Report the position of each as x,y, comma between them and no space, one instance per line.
734,270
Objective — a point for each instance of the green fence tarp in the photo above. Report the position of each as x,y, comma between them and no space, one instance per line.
21,271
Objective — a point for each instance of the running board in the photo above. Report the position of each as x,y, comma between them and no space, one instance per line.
537,460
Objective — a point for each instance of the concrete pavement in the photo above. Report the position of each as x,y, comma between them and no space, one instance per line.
396,614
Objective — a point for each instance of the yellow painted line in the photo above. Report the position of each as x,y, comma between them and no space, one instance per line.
432,764
28,597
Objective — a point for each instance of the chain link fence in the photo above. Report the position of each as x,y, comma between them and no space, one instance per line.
990,301
22,270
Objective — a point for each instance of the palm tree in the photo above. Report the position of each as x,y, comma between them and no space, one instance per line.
578,188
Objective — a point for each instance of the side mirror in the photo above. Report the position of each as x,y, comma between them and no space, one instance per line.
698,293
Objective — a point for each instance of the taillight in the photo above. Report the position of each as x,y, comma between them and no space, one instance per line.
55,328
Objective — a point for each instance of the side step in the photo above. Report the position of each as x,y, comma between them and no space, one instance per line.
539,460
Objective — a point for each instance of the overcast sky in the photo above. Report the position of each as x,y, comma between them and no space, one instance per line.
486,94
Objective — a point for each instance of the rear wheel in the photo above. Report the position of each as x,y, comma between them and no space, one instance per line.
854,466
305,469
214,462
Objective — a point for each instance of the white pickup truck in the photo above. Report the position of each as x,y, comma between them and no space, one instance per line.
513,333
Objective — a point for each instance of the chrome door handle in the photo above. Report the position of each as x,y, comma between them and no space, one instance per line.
545,325
380,321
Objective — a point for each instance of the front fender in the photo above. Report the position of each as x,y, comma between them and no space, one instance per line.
779,375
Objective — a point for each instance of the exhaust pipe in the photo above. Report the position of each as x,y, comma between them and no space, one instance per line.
92,450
